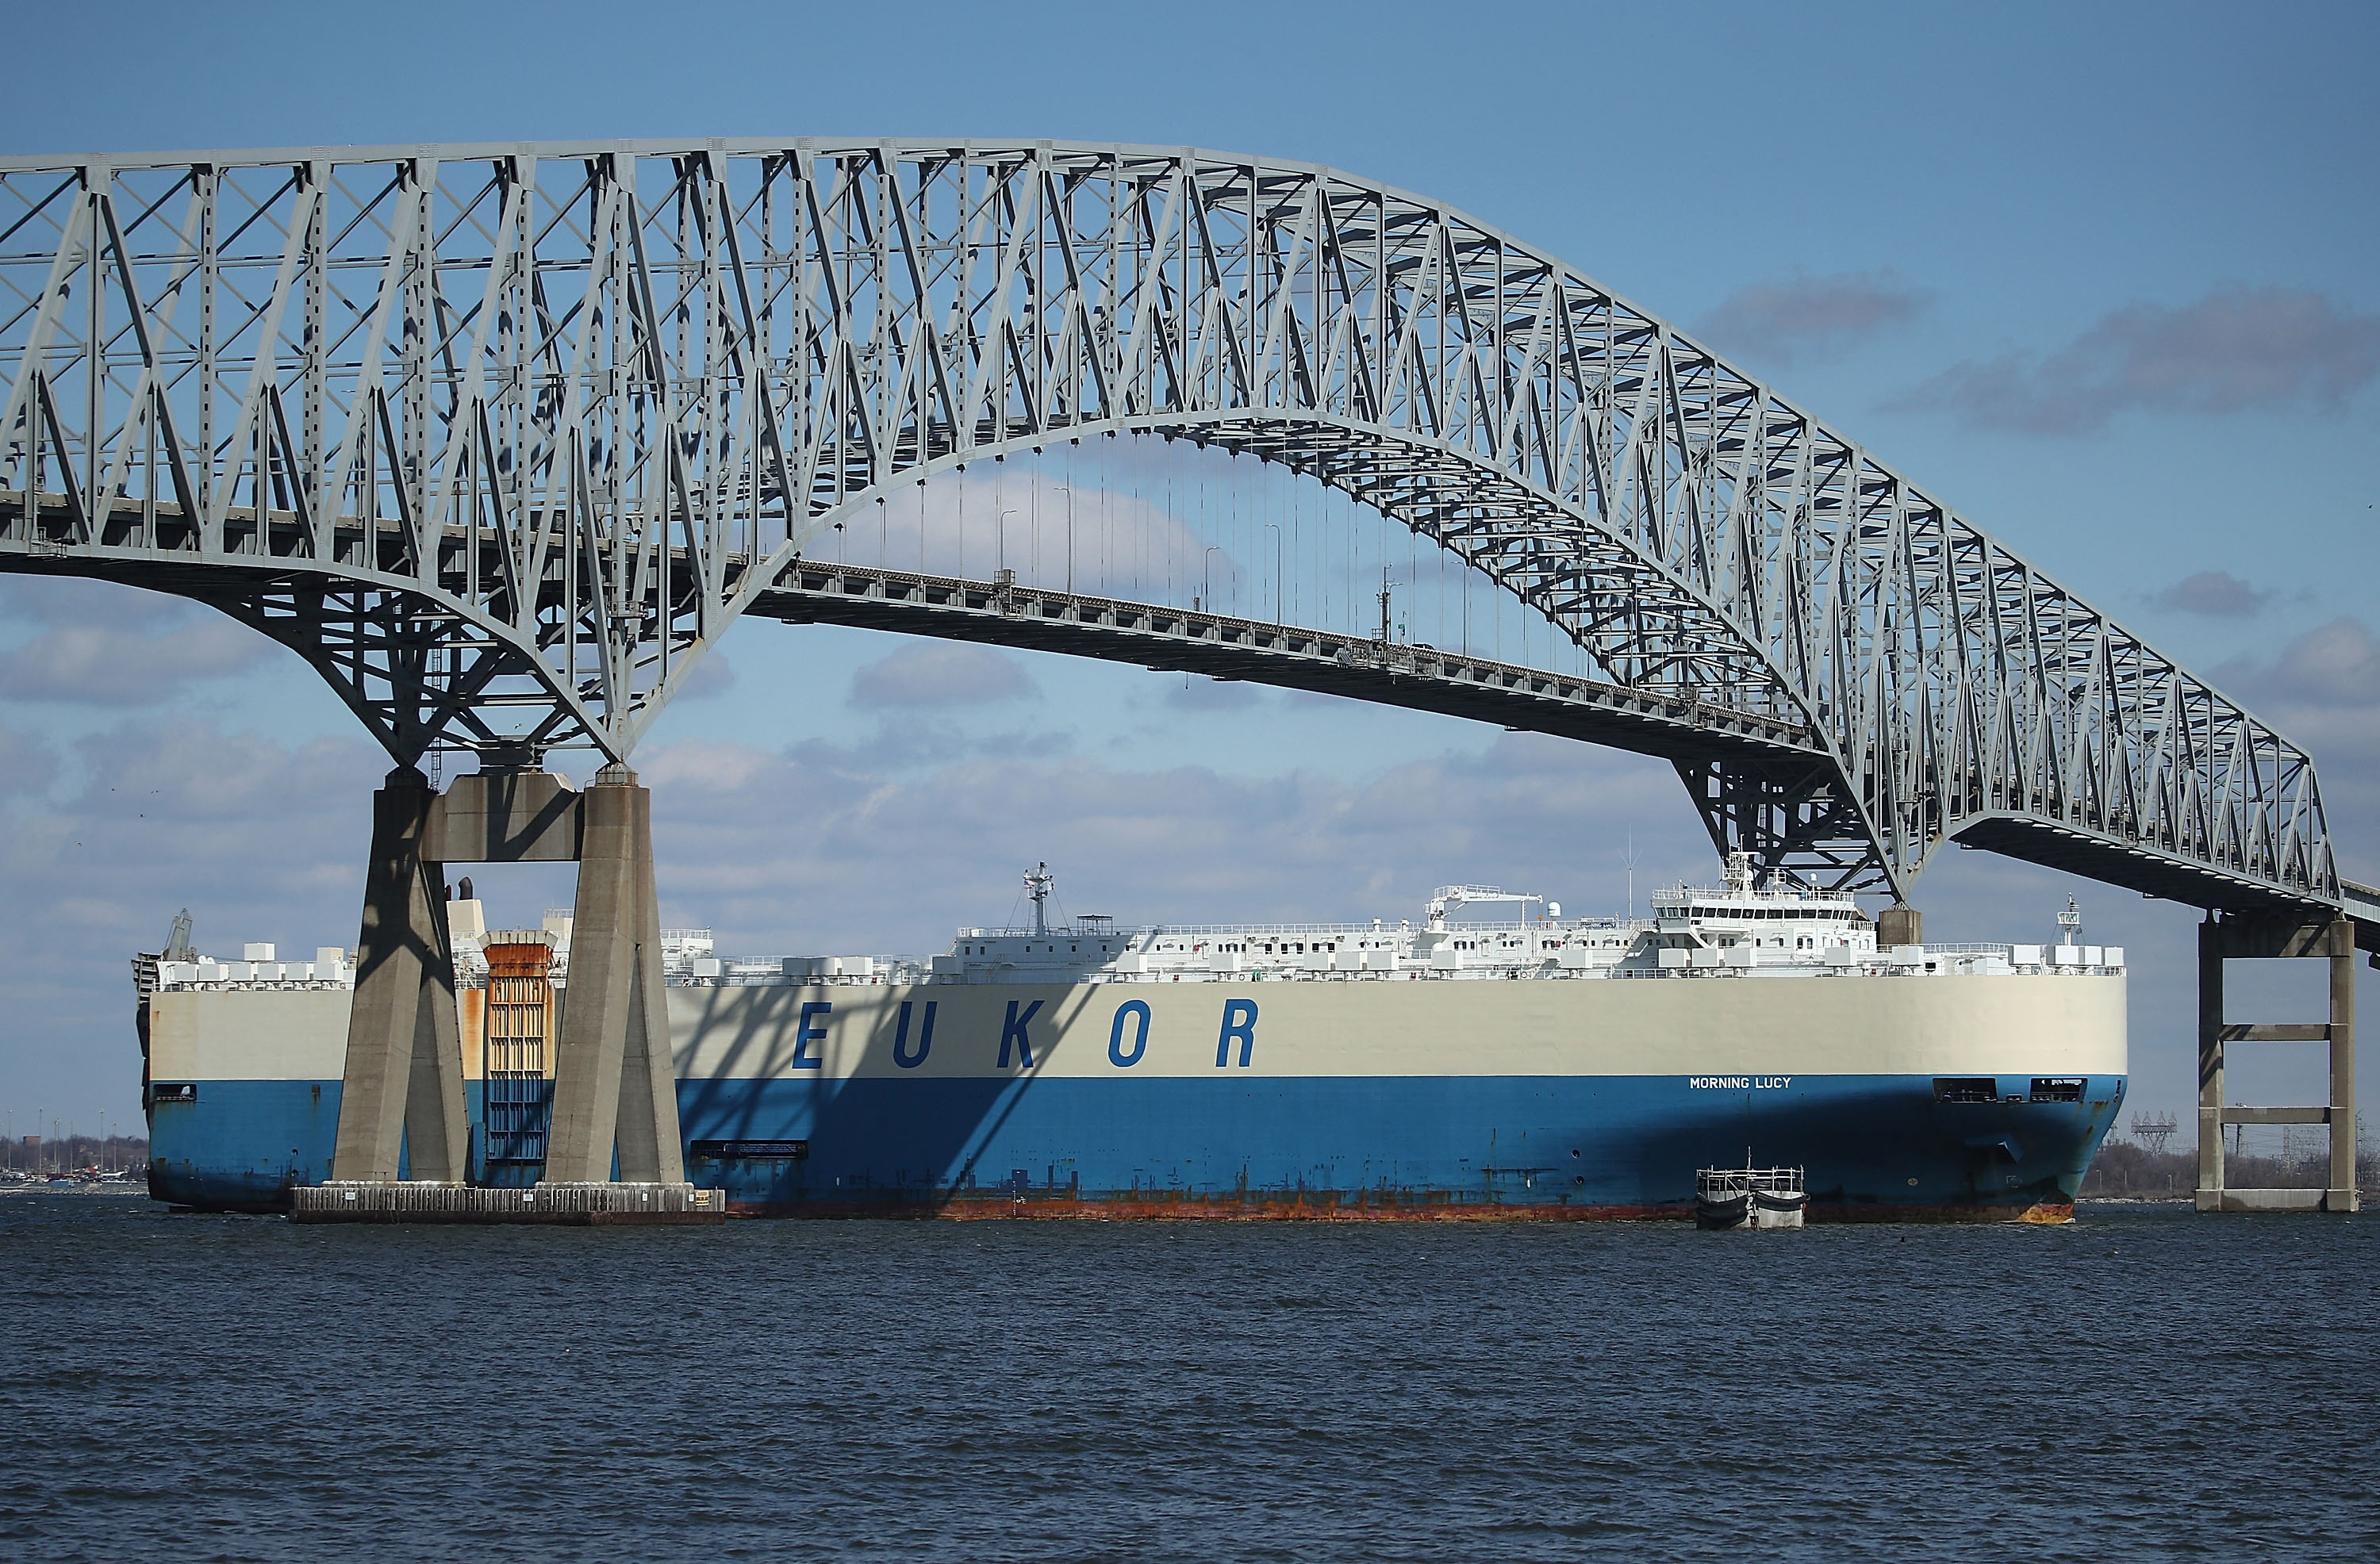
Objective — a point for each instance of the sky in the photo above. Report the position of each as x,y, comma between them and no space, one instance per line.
2102,277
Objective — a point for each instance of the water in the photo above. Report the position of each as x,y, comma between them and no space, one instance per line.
2144,1384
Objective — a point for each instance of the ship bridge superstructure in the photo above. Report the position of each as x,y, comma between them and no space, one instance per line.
1739,929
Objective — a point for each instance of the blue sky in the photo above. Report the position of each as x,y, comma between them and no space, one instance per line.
2102,276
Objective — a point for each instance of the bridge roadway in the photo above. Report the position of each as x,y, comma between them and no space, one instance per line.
1223,647
1117,630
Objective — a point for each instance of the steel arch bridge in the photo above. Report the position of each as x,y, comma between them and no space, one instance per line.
501,437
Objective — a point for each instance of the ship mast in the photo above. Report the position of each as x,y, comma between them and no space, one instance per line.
1037,885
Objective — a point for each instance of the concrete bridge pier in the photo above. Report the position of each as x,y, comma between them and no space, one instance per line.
403,1086
2248,936
614,1081
614,1087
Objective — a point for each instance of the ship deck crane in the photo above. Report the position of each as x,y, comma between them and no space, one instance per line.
1447,896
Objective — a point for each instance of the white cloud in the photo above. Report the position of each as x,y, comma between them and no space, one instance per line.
941,674
106,645
27,763
2234,349
262,841
1016,516
2323,690
712,677
702,767
891,862
199,775
2218,594
1806,318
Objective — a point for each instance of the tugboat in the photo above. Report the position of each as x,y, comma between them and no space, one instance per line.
1727,1199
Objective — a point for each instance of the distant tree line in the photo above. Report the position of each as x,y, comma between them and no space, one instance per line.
40,1154
2124,1169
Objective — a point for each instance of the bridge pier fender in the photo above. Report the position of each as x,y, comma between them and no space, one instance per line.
403,1081
614,1085
2264,935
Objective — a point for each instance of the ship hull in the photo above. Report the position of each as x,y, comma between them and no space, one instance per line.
1550,1148
1905,1098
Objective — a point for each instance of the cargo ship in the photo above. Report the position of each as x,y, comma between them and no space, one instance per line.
1448,1067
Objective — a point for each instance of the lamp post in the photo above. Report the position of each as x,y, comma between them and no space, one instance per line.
1206,568
1001,562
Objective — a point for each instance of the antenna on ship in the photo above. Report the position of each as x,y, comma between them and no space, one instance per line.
1037,885
2069,922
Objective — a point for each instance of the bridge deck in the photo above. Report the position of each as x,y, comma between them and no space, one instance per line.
2361,902
1218,646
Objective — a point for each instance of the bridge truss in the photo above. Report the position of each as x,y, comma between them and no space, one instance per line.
500,438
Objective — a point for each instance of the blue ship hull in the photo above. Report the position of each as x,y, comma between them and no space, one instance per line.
1444,1147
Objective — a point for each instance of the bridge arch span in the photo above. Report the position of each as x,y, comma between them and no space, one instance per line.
503,436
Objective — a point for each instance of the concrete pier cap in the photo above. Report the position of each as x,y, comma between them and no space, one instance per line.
1899,924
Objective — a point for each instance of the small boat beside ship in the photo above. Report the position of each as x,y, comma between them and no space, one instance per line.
1731,1199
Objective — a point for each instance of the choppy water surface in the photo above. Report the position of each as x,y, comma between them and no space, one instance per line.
2146,1384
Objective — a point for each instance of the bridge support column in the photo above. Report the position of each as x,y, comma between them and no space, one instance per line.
403,1083
2210,1065
2255,937
614,1086
2341,1194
